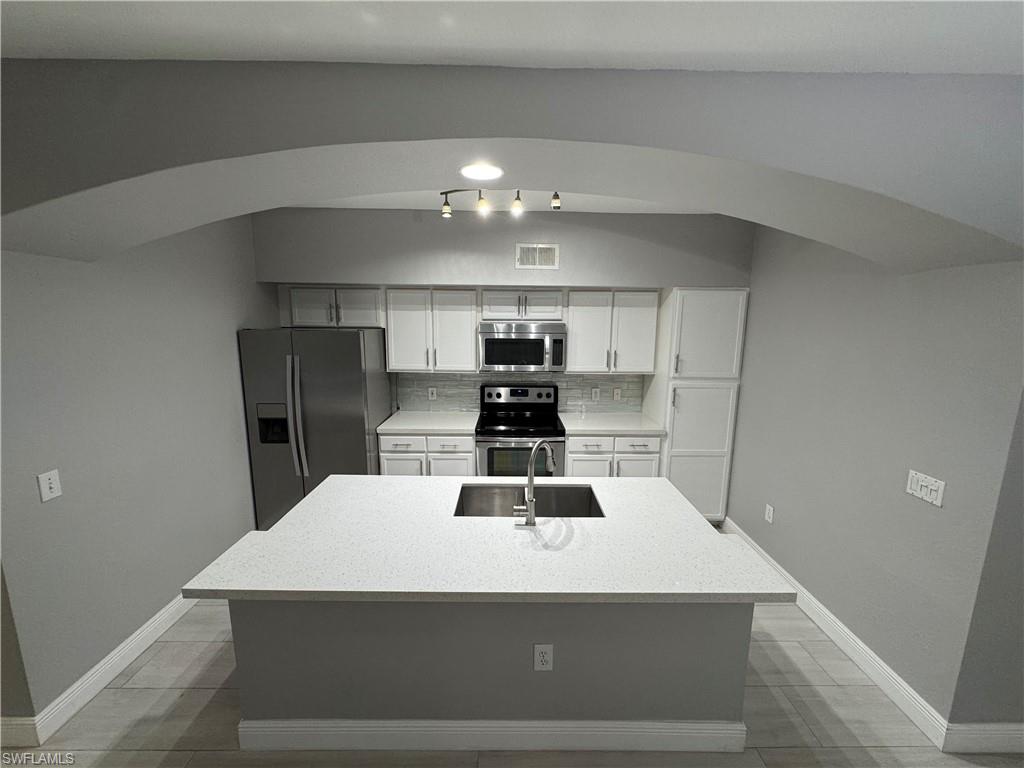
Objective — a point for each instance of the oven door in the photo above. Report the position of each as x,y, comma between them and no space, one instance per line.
511,457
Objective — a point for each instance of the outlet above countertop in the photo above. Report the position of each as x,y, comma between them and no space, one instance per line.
464,422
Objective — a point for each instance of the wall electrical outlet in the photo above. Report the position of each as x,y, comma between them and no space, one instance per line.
49,485
431,393
617,393
769,513
543,657
595,393
925,487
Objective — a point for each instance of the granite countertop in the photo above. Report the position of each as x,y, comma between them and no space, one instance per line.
464,422
611,424
364,538
429,423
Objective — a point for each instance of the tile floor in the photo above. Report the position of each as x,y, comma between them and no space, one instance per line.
807,706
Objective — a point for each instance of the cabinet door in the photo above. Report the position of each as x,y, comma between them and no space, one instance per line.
709,338
313,306
455,331
410,334
401,464
702,480
501,305
702,417
589,326
542,305
634,329
359,307
457,464
587,465
636,466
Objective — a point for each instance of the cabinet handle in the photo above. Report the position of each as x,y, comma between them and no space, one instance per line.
519,306
453,446
638,445
399,445
591,445
618,469
615,359
674,399
608,359
526,307
675,369
330,313
427,350
435,357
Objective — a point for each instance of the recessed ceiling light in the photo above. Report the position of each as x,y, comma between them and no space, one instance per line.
481,172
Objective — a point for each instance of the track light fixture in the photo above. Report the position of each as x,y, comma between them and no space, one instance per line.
483,205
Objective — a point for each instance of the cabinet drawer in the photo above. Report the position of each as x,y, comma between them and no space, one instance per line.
589,444
451,444
637,444
411,444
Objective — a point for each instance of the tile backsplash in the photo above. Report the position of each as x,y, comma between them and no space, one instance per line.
461,391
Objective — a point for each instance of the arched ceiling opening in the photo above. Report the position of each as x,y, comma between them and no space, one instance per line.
102,220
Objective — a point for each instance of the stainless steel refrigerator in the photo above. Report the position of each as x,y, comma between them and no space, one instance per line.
313,401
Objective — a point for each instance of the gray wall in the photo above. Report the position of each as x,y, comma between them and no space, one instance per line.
296,245
124,375
991,684
851,377
474,661
15,699
949,144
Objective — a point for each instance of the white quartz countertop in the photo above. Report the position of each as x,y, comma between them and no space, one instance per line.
393,538
464,422
429,423
611,424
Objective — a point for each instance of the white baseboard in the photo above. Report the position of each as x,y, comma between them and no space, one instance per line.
984,737
64,707
688,736
903,696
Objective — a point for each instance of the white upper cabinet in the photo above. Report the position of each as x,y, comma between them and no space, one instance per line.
521,305
410,332
542,305
612,331
709,334
359,307
313,306
701,419
634,328
501,305
455,331
589,323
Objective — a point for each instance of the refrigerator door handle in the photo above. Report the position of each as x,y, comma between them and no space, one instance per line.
300,439
290,411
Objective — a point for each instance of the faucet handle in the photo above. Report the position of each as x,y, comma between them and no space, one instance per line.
520,510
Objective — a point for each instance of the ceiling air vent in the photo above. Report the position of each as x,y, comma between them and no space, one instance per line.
536,256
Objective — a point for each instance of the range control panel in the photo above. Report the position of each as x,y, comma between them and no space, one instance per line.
539,394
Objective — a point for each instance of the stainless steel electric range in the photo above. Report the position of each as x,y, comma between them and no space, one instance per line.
513,418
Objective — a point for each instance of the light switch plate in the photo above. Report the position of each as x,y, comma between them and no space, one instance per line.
49,485
769,513
595,393
617,394
925,487
431,393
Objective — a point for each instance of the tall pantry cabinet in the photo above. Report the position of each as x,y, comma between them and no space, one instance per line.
700,384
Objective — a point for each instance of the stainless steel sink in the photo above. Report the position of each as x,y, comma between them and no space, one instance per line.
552,501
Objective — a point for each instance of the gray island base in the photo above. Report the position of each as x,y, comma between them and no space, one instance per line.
371,617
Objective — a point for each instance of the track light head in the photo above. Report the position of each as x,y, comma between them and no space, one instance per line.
483,207
556,202
446,209
517,206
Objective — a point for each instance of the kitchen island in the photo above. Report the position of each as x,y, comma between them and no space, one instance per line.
373,617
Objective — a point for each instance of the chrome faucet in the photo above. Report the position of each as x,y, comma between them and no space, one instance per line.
529,511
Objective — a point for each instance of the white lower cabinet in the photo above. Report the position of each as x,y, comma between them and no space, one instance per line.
402,464
455,464
612,457
636,465
584,465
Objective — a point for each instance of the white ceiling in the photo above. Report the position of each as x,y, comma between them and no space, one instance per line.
912,37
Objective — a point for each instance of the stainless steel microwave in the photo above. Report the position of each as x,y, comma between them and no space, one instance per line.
522,347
